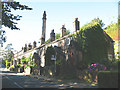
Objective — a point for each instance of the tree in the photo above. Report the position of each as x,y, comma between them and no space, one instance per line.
97,20
9,47
8,19
9,52
2,37
8,55
57,36
67,32
112,30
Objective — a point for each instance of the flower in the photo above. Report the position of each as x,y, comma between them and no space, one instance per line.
91,64
96,67
104,68
88,66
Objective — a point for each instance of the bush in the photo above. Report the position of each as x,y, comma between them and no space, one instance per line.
108,79
19,66
26,66
11,67
15,65
93,69
7,64
116,64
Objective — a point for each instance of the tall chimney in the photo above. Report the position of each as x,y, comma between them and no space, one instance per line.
43,28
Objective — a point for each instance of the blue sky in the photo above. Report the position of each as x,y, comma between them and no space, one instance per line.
58,13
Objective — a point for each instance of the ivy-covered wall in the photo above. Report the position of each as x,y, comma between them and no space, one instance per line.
91,39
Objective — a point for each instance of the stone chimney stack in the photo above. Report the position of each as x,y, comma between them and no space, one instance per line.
29,46
34,44
76,24
63,31
43,28
52,35
25,48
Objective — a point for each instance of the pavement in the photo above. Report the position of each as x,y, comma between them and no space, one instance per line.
64,83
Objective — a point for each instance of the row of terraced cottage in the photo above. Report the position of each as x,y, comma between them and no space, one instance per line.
65,53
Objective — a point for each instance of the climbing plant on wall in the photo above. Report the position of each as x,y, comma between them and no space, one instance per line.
31,62
7,64
92,40
25,60
49,52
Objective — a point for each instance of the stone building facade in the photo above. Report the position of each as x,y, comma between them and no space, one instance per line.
65,43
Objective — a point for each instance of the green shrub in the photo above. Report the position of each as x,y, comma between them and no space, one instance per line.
108,79
7,64
19,66
26,66
15,65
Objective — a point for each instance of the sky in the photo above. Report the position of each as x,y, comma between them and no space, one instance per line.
58,13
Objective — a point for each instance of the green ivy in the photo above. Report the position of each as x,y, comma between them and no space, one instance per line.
18,66
23,59
7,64
26,66
92,41
49,52
58,62
32,64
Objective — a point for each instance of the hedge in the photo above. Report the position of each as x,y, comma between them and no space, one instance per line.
108,79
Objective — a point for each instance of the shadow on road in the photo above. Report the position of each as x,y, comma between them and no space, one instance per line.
8,72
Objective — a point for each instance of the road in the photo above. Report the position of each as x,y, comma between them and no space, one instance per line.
12,80
17,80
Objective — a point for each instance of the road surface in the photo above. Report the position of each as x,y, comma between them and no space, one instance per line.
18,80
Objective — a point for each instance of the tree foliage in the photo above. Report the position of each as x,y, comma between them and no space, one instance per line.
57,36
67,32
23,59
112,30
8,53
2,37
97,20
28,60
8,19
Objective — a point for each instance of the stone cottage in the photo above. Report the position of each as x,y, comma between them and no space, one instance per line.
65,44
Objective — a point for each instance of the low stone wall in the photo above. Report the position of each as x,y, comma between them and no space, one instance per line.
47,71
